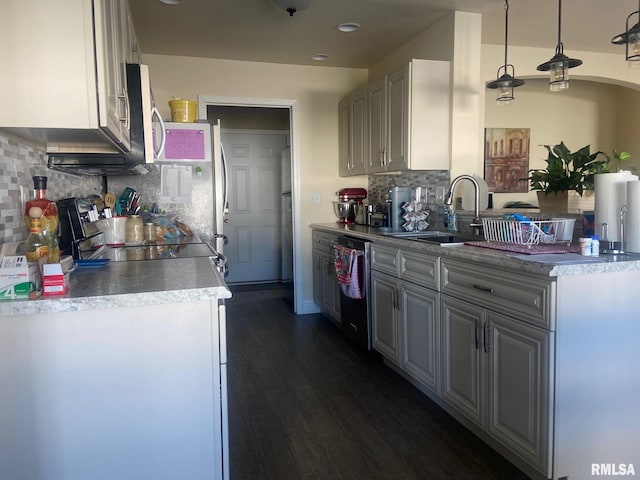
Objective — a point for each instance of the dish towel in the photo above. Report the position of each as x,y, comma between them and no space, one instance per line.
346,265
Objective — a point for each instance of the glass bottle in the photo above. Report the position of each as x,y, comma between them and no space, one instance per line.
36,245
134,230
49,218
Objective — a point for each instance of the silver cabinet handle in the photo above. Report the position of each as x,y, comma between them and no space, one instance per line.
486,334
483,288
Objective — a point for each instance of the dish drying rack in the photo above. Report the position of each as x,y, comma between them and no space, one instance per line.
528,230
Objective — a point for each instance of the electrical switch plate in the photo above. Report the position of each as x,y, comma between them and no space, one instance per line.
315,198
439,195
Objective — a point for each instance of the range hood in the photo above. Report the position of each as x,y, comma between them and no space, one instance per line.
139,159
98,164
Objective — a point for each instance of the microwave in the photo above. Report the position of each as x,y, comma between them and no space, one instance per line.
140,157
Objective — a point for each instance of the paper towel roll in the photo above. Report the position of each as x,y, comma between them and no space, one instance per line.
632,232
610,195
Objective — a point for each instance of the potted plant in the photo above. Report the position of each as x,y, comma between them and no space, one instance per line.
566,172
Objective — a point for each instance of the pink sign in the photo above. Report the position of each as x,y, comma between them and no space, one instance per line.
184,145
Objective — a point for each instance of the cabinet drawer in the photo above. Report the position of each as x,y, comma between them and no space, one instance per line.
525,297
323,241
419,268
384,259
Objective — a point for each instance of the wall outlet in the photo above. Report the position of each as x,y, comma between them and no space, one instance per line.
315,198
440,195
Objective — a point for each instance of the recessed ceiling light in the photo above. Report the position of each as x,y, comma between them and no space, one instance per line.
172,2
348,27
320,57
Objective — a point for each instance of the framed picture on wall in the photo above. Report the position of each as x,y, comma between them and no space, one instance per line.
506,159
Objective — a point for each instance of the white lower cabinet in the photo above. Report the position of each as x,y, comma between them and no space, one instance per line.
497,373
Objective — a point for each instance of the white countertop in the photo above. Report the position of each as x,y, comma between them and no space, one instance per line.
544,265
131,283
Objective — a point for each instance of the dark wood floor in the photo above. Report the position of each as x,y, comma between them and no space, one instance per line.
305,404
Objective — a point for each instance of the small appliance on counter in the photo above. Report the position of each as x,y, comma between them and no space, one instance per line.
77,224
362,213
348,198
398,196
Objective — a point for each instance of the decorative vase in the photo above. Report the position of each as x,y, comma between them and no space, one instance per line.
553,202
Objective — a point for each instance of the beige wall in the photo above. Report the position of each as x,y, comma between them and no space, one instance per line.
456,38
601,107
316,90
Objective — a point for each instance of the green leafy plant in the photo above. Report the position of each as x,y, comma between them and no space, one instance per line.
619,158
568,170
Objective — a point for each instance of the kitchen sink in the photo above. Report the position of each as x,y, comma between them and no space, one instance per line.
433,236
448,239
413,235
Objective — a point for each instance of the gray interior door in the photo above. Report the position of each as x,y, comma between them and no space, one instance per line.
254,220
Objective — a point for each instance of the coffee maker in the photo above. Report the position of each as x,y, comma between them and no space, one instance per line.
348,198
398,196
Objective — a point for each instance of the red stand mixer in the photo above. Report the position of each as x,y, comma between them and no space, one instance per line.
344,208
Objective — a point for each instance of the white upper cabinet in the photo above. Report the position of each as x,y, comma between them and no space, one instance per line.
65,74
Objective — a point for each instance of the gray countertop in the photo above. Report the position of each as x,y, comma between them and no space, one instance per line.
544,265
131,283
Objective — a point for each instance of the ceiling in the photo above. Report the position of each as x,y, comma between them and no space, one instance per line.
257,30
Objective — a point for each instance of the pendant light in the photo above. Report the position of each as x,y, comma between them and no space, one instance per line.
631,40
559,65
505,81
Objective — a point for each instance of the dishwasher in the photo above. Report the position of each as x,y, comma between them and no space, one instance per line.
355,317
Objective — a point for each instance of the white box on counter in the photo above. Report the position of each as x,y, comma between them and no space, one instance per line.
54,282
18,278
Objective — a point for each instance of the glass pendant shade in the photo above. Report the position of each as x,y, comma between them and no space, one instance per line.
505,84
559,65
631,40
505,81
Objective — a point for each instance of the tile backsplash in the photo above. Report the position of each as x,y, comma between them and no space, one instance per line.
380,184
19,162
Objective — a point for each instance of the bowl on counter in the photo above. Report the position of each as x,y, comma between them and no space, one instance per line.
344,211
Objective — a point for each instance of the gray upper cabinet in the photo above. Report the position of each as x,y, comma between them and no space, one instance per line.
407,122
353,134
377,126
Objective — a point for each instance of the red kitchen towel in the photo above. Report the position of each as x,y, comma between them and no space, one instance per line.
346,265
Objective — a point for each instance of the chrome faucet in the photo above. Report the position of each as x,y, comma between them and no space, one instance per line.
476,223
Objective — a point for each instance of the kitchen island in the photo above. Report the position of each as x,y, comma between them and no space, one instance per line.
537,355
122,377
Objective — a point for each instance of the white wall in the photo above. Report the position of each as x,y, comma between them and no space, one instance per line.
317,91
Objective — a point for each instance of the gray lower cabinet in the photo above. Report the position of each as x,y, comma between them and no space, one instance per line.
384,294
463,361
326,291
419,350
497,369
405,312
